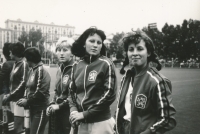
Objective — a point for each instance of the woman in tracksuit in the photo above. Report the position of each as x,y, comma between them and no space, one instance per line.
145,101
18,77
37,91
59,107
93,87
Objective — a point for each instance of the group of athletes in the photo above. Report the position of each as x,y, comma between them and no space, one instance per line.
84,90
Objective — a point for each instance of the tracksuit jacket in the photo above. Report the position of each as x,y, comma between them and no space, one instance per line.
37,87
62,85
152,111
94,88
18,79
5,76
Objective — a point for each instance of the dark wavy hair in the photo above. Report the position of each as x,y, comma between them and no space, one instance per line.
135,38
32,54
78,46
17,49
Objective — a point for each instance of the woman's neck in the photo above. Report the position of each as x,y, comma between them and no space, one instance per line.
67,62
18,59
139,69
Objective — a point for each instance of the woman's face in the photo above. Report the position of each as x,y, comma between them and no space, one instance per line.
137,54
93,44
64,54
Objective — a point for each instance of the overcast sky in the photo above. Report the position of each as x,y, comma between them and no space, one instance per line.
109,15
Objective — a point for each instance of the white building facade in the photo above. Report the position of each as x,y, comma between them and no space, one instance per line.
14,28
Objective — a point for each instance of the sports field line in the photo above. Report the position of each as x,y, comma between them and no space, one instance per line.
185,80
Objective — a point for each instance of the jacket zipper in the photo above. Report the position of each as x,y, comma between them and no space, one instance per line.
118,104
84,88
62,76
84,83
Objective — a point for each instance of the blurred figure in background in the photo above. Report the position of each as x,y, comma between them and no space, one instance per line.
4,82
59,107
18,78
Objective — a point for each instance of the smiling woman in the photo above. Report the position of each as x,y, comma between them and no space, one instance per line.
145,95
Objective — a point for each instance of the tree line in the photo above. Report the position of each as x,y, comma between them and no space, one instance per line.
180,42
35,39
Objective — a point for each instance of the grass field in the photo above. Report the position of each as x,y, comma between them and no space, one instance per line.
186,97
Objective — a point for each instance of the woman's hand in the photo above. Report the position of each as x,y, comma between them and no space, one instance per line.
51,109
75,116
22,102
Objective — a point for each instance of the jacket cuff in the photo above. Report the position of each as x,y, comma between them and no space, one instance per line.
63,104
29,101
85,114
73,109
148,131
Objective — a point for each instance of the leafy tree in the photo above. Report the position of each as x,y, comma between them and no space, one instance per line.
24,38
34,36
115,46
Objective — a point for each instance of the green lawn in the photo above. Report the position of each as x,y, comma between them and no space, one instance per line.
186,97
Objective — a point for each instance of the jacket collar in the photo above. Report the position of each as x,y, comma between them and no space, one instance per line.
127,79
90,58
37,65
144,70
62,66
23,59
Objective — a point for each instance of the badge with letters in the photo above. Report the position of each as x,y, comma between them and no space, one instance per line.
65,79
92,75
140,101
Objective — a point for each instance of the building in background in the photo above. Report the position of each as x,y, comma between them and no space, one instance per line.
5,36
14,28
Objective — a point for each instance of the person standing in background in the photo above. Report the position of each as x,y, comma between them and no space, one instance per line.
37,91
4,83
59,107
17,84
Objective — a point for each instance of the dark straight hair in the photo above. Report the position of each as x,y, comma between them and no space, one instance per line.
78,46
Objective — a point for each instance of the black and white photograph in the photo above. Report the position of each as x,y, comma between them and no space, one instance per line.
99,67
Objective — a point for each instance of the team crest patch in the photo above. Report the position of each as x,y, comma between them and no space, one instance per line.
32,77
92,76
140,101
65,79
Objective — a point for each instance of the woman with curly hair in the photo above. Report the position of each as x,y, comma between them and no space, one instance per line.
145,101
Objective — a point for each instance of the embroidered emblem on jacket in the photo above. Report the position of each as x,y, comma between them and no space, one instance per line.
140,101
65,79
92,76
32,77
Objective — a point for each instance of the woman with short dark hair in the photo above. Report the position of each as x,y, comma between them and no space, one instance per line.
18,77
145,101
37,91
